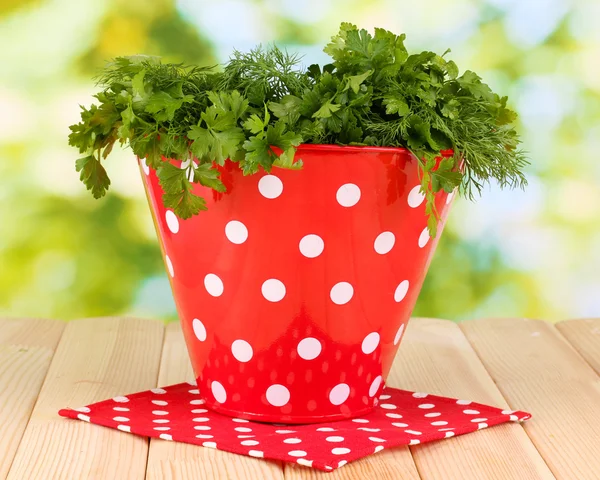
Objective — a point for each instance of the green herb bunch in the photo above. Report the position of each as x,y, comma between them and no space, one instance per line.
372,93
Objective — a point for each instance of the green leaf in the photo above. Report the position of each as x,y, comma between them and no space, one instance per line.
208,176
326,110
395,104
287,109
93,175
355,81
137,84
185,204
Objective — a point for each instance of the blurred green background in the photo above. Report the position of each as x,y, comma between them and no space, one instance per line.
534,253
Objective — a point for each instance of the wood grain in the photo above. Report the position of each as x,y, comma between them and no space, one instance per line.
538,370
584,335
95,359
181,461
26,349
435,357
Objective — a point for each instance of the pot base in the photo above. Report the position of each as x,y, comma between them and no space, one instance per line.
286,419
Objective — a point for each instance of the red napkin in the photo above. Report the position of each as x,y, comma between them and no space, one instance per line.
402,418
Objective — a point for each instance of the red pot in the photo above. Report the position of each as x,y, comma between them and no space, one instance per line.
294,288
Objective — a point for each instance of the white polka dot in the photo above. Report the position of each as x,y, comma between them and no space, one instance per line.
172,221
297,453
309,348
303,461
432,415
339,394
121,409
200,419
415,197
158,391
514,418
401,290
242,351
292,441
449,434
243,429
384,242
201,427
273,290
393,415
370,343
204,436
199,329
159,412
365,429
426,406
420,395
450,196
424,237
209,444
145,167
160,420
256,453
399,334
160,403
213,285
440,423
334,439
341,293
326,429
348,195
169,266
376,439
278,395
341,463
285,432
197,402
400,424
340,451
414,441
375,386
384,397
413,432
218,392
199,410
165,436
379,448
471,412
85,409
388,406
249,443
236,232
311,246
479,420
120,419
124,428
464,402
270,186
506,412
360,420
239,420
162,429
481,426
194,391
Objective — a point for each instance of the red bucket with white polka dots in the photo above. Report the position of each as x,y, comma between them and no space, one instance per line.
295,286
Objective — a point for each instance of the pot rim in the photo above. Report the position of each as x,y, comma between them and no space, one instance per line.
350,148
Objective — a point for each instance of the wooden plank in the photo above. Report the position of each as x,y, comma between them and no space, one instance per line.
584,335
179,461
538,370
95,359
26,349
435,357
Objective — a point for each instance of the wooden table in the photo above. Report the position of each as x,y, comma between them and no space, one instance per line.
549,370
